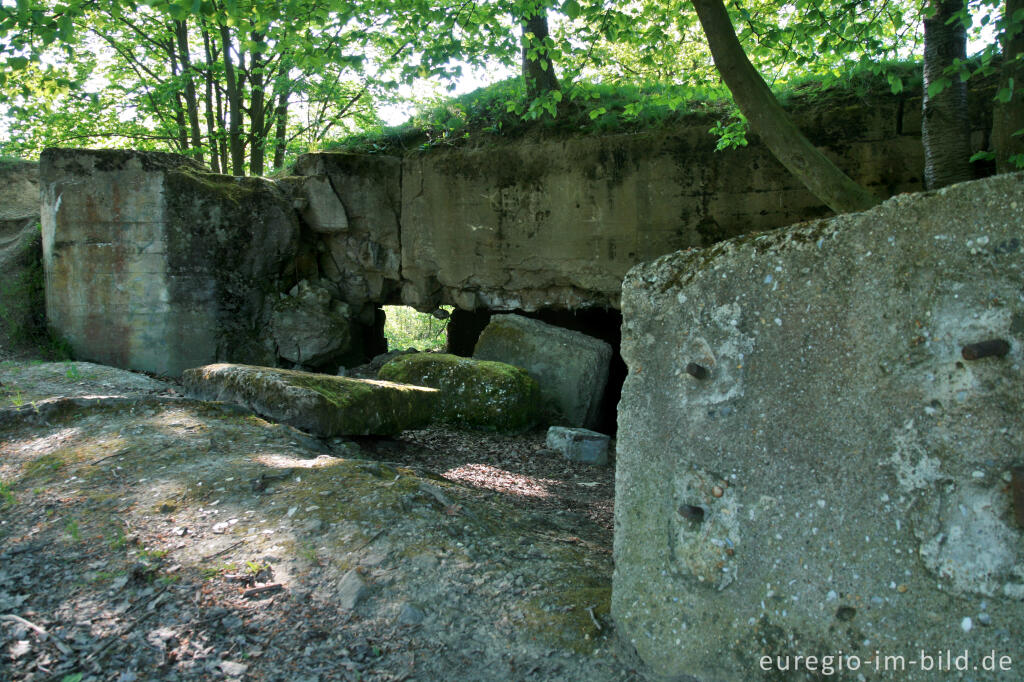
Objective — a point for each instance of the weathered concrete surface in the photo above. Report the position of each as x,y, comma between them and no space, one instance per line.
479,394
22,307
322,209
153,264
571,368
318,403
840,480
310,328
363,261
557,223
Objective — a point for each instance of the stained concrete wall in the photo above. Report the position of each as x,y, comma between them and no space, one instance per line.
22,313
842,479
556,223
152,259
152,264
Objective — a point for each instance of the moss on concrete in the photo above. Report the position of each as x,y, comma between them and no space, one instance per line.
319,403
478,393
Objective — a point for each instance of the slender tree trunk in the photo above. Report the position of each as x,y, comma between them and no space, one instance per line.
211,105
771,123
257,111
281,130
179,109
945,127
234,106
1008,117
191,103
223,139
538,71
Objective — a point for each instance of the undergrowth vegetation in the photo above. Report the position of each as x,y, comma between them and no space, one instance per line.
406,328
500,110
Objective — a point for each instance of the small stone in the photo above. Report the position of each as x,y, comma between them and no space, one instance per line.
579,445
410,615
967,624
352,590
984,619
232,669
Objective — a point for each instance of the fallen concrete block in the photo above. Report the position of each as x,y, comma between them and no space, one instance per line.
321,404
477,393
570,367
579,445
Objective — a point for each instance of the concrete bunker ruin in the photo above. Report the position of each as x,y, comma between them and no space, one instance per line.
153,263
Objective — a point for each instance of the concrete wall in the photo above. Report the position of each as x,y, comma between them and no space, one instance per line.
22,311
153,266
842,479
556,223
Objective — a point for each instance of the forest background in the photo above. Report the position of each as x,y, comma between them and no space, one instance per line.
244,86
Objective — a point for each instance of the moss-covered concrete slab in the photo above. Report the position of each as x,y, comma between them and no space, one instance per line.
476,393
318,403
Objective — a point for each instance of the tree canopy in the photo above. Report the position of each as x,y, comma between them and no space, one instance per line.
243,85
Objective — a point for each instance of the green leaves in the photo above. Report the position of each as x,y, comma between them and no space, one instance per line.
572,9
938,85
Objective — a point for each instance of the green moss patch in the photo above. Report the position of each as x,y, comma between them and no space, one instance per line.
321,404
478,393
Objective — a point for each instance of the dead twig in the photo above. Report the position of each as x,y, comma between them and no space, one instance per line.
590,610
41,631
375,536
223,551
262,589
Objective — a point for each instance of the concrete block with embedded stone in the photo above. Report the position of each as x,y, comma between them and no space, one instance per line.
579,445
570,367
841,478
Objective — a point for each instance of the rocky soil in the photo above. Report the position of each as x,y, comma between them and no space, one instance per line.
144,536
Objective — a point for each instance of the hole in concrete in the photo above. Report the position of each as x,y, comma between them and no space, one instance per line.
602,323
405,328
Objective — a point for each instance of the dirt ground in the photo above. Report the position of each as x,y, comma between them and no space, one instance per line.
144,536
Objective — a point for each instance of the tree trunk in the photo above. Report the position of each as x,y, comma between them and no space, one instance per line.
281,130
179,109
1008,117
945,127
538,71
770,121
211,105
257,111
234,106
191,104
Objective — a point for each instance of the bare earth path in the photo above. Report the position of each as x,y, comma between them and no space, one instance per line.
144,536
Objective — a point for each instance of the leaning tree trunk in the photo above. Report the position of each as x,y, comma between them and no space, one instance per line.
771,123
945,127
1008,117
538,71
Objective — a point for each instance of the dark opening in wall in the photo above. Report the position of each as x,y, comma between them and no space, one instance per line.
465,326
